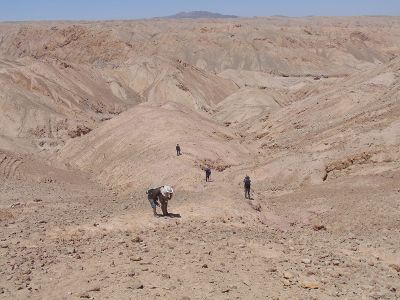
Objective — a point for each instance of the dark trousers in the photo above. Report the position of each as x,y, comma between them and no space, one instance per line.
178,152
164,206
207,177
247,193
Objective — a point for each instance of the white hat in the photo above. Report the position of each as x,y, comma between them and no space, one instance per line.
166,189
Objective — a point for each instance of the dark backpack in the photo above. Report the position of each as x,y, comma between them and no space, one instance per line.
150,194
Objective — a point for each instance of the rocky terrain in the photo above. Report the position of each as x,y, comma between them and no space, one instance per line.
90,113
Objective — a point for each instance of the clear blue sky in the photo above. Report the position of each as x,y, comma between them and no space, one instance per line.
12,10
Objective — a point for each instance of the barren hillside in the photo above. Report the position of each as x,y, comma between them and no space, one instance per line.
90,113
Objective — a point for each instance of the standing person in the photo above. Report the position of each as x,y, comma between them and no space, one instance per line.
178,150
208,174
247,185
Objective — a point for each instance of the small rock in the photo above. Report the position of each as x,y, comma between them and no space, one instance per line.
335,262
286,282
306,261
272,270
205,266
132,273
136,285
287,275
395,267
136,258
84,295
310,273
319,227
94,289
137,239
310,285
225,290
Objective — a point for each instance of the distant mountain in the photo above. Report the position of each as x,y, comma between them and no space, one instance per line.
200,15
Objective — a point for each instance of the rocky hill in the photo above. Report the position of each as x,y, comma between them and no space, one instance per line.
200,15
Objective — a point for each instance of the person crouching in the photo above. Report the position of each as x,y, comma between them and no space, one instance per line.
160,195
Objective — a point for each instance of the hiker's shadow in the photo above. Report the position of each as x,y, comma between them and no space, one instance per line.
172,215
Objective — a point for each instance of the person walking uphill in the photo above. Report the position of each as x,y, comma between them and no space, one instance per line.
247,185
163,195
208,173
178,150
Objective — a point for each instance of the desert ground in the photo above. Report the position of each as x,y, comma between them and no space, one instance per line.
90,113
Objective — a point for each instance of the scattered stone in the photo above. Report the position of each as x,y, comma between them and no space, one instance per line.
94,289
310,285
84,295
335,262
310,273
137,239
395,267
272,270
27,272
286,282
136,258
287,275
390,288
319,227
225,290
205,266
132,273
137,285
37,200
306,261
